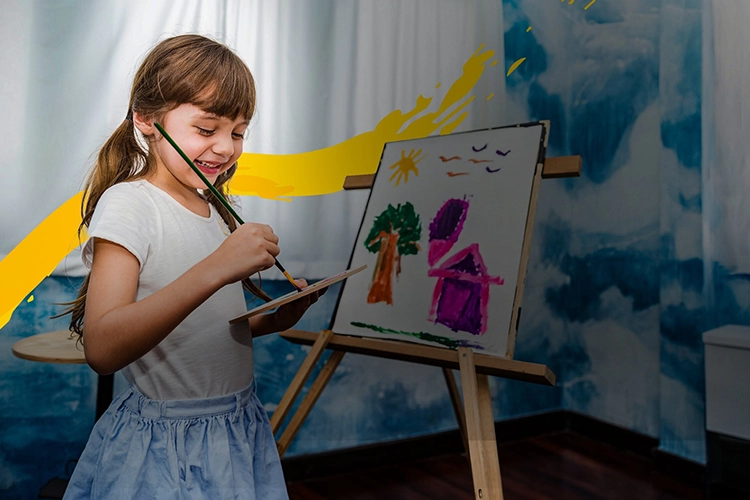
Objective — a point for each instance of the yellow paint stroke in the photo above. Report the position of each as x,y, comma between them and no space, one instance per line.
30,299
571,2
490,96
450,127
36,256
515,65
323,171
592,2
271,176
437,86
529,28
493,62
407,163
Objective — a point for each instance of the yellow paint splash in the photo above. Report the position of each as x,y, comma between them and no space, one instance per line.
529,28
277,177
30,299
38,254
323,171
490,96
515,65
571,2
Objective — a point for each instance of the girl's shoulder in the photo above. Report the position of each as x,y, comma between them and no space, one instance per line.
131,199
126,214
134,193
133,188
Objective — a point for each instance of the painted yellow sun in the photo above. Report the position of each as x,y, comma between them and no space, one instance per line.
407,164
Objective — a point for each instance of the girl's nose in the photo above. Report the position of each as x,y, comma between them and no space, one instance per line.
224,145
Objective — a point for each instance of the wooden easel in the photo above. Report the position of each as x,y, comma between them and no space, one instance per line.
474,416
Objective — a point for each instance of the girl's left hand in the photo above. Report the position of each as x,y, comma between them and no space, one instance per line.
288,315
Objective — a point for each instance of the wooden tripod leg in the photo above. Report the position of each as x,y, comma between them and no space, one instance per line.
458,408
299,380
489,441
307,403
485,469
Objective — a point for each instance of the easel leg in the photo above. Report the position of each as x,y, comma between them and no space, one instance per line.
458,408
307,403
299,380
489,440
480,430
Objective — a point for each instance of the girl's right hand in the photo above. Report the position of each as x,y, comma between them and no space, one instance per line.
250,248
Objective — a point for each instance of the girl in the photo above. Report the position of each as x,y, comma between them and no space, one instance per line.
166,260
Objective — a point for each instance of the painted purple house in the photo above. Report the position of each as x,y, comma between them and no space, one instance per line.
462,292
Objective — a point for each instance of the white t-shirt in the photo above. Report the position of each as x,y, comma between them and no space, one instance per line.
204,356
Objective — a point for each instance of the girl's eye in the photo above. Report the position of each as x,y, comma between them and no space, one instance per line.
204,131
238,136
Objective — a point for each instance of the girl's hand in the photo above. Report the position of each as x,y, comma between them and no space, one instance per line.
250,248
288,315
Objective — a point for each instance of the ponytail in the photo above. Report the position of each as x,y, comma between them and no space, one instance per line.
121,158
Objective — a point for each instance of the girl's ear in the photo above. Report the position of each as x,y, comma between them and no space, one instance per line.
144,125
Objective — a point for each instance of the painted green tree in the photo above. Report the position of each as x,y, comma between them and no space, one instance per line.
394,233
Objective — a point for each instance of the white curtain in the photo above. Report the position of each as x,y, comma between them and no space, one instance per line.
726,129
326,70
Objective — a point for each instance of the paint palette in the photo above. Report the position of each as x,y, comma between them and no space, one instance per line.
292,296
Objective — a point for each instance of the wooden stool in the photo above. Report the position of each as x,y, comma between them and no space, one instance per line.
51,347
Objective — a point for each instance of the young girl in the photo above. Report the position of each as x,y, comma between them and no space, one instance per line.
166,261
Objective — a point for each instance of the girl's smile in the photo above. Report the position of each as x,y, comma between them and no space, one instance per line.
208,168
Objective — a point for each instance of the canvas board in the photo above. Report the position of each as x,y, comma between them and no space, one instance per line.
442,236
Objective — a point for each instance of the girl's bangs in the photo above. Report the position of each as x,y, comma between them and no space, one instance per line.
230,96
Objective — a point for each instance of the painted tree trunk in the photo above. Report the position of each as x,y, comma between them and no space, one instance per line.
381,289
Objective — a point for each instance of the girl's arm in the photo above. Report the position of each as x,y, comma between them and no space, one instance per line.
118,330
262,324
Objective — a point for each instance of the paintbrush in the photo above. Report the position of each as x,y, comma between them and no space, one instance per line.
219,196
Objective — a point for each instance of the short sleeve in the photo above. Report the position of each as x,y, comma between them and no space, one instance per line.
125,215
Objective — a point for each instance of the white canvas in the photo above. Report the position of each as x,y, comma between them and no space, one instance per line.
454,283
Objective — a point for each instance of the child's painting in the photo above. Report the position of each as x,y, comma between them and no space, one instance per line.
442,237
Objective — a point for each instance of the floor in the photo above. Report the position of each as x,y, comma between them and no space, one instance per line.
558,466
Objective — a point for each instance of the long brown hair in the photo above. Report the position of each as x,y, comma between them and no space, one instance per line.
183,69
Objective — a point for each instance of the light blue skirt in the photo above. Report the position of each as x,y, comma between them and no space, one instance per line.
212,448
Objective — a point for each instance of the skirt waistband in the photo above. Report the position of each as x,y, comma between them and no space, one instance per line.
185,408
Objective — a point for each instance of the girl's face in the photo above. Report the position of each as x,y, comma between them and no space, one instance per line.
213,143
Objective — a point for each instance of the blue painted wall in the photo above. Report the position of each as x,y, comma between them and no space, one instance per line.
46,410
623,82
596,74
